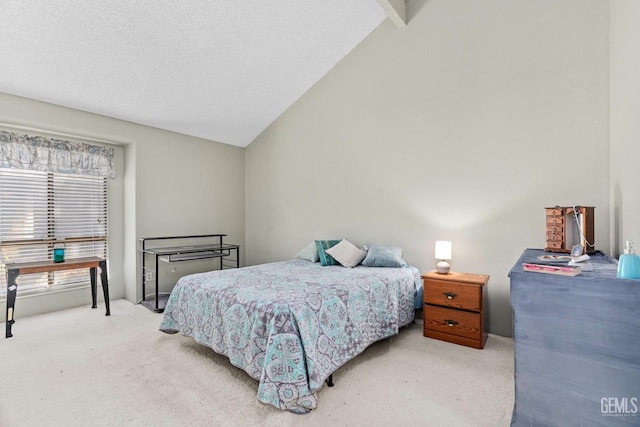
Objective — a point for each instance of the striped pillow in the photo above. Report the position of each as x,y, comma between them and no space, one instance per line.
325,258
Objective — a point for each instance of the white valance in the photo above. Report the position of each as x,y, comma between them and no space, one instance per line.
20,151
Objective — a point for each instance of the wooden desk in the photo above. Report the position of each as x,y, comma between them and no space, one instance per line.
17,268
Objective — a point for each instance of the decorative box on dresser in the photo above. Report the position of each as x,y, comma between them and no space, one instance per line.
454,307
567,226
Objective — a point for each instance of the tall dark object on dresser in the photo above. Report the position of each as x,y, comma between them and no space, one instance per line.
577,346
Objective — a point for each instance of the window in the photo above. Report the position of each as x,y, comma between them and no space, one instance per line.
38,210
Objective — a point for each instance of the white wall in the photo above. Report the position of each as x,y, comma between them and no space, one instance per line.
172,184
464,126
625,123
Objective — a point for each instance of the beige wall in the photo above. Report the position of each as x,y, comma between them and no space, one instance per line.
625,123
463,127
171,184
187,186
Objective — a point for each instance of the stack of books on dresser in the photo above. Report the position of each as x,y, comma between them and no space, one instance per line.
562,270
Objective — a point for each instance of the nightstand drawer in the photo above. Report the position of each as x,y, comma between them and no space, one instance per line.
454,322
452,294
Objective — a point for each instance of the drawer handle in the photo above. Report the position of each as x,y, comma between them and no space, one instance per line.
449,295
451,323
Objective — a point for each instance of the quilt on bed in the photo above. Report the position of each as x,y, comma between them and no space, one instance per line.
291,324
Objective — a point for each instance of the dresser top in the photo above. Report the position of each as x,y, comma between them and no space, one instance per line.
603,266
476,279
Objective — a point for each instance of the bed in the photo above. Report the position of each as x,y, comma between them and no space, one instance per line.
291,324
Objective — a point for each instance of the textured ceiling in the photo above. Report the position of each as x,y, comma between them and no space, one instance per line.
221,70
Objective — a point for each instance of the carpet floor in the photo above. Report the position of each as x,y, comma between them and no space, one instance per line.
78,367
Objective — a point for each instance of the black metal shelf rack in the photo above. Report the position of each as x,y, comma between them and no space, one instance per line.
208,246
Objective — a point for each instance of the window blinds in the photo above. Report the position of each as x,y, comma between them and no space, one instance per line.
41,209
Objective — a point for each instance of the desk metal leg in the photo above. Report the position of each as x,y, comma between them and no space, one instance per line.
144,291
157,285
105,285
92,275
12,289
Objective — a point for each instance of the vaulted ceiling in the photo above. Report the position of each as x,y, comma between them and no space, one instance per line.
217,69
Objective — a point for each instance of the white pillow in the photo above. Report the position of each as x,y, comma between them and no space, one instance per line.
346,253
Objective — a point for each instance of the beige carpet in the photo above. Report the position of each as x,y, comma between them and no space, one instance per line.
79,368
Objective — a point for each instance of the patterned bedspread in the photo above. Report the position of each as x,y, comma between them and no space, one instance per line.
291,324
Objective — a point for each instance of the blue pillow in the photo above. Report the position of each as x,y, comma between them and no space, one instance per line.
309,253
325,258
384,256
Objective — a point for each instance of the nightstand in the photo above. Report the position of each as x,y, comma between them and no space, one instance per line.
454,307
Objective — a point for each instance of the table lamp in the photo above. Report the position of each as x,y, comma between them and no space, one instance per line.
443,253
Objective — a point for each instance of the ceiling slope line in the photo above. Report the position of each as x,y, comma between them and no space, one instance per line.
396,10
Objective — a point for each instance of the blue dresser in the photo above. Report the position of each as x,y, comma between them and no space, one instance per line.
577,346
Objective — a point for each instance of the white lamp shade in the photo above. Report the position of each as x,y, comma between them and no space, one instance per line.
443,249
